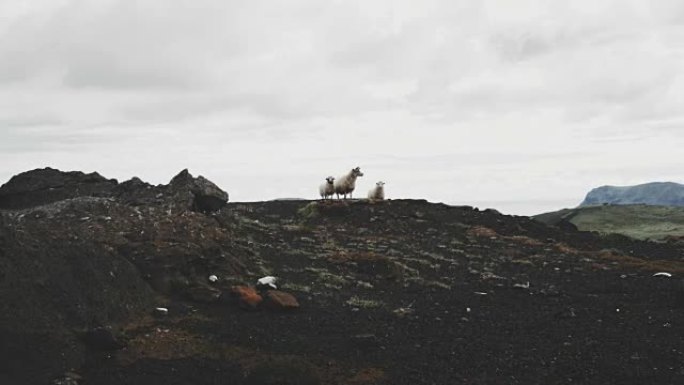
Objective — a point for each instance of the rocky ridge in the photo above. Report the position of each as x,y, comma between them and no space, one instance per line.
393,292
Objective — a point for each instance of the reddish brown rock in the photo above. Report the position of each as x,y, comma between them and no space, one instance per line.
247,297
279,300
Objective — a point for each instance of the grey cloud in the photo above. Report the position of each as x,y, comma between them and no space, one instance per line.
441,87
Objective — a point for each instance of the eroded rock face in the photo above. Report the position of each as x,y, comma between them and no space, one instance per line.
43,186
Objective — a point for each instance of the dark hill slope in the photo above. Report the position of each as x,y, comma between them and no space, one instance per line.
396,292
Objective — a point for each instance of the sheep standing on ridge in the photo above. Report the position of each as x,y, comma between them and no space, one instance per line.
377,192
347,183
327,189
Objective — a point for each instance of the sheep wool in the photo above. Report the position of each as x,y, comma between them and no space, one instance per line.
327,189
347,183
377,192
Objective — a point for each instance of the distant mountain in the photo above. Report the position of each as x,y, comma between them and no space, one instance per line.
656,193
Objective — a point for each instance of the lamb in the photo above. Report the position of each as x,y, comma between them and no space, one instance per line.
377,192
347,183
327,189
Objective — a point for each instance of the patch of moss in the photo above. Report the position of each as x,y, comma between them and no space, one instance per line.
327,278
644,264
423,282
297,287
363,303
309,211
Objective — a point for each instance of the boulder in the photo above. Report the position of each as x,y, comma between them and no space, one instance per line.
279,300
198,194
246,297
101,338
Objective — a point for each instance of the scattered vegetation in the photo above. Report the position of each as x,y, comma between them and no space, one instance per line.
296,287
643,264
368,376
327,278
481,231
525,240
309,211
565,249
363,303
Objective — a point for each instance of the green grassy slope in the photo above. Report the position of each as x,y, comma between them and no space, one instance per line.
637,221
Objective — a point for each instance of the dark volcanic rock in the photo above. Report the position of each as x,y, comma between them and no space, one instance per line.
101,338
406,292
198,194
78,249
43,186
138,193
284,371
204,294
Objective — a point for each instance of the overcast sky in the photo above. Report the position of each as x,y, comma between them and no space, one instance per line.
519,105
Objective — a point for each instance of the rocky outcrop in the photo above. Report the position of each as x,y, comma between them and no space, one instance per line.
47,185
198,194
43,186
79,250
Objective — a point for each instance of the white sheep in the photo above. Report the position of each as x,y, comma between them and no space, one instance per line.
377,192
327,189
347,183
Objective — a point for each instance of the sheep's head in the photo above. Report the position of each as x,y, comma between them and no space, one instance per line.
330,179
356,172
380,184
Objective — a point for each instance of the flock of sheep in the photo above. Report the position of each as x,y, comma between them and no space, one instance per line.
346,184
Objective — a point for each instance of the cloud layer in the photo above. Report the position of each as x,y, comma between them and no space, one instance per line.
521,105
